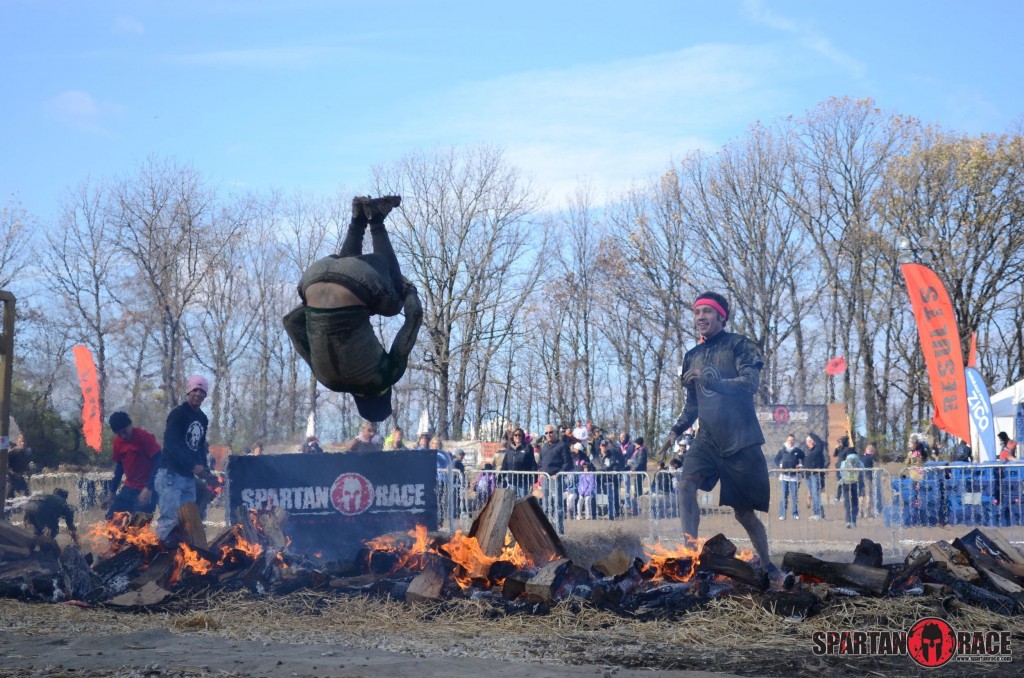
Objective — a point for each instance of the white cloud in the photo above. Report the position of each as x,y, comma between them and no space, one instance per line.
808,36
79,109
126,24
610,123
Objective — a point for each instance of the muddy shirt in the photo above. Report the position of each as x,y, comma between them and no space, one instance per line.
729,366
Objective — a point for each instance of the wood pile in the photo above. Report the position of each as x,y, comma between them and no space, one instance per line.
512,557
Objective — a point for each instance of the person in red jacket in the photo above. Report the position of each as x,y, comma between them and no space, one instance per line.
136,457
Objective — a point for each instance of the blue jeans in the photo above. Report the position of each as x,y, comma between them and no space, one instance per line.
814,487
789,487
173,491
127,501
553,504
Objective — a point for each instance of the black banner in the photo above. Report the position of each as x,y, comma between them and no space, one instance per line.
778,421
338,501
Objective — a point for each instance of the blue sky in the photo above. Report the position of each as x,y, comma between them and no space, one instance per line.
309,95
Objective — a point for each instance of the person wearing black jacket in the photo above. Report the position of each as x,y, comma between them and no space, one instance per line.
814,462
184,457
839,455
610,461
721,375
555,458
789,458
519,457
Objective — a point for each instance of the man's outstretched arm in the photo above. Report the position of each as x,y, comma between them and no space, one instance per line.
405,340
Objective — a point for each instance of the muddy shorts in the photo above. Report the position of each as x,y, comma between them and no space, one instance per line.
743,474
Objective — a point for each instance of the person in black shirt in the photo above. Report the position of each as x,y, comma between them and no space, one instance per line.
815,463
721,375
519,457
43,513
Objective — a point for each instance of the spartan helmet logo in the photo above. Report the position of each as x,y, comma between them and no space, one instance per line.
351,493
931,642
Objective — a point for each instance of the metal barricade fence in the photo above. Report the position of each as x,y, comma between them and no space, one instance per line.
829,509
614,495
961,493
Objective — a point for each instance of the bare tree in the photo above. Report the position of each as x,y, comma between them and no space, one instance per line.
463,232
15,241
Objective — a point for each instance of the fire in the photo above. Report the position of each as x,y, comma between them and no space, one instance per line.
674,564
476,564
239,550
117,533
187,560
408,557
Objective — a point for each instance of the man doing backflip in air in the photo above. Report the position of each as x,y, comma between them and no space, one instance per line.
331,330
721,375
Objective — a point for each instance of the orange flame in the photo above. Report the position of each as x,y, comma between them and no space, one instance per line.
678,563
476,564
187,560
108,537
409,557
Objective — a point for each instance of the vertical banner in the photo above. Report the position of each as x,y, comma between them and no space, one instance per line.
1018,427
981,414
92,426
940,343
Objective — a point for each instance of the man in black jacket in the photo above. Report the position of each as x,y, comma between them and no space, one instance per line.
184,457
815,463
43,513
555,458
789,458
721,375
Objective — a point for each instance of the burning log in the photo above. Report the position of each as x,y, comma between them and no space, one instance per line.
244,519
543,586
674,597
719,544
796,604
118,571
613,564
272,523
191,525
80,582
871,580
955,560
158,572
534,533
972,595
868,553
491,524
428,585
734,568
500,570
515,584
914,563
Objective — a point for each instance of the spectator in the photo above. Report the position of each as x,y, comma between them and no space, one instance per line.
555,458
257,449
586,488
394,440
963,452
485,484
872,485
520,458
43,513
423,443
789,458
815,463
611,464
184,456
580,433
136,458
918,445
312,446
636,462
580,458
1009,450
459,462
366,439
849,477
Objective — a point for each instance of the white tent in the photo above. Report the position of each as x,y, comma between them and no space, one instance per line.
1004,406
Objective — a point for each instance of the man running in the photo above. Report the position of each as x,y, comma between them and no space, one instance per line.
721,376
331,330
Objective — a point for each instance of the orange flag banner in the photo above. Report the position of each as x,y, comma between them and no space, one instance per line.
940,343
92,426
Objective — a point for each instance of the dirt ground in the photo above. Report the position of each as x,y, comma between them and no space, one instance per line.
324,633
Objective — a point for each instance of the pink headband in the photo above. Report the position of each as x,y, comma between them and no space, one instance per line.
704,301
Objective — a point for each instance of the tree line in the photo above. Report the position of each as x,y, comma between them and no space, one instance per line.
534,315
